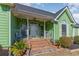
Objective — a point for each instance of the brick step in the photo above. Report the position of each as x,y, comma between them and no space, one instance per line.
51,46
45,43
39,43
34,43
36,48
43,50
40,46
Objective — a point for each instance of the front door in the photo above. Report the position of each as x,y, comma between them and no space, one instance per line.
34,30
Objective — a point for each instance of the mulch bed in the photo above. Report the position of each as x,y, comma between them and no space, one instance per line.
4,52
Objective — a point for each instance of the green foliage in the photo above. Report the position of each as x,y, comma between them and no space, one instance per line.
65,42
19,22
76,39
0,48
58,43
19,48
49,25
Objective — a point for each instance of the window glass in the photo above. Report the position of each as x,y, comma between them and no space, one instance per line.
64,30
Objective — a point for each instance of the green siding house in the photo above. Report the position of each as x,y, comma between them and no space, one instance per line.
19,21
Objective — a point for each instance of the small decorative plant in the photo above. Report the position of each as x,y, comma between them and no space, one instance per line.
19,48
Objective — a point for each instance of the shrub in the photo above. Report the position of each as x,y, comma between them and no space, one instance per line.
0,47
57,43
0,50
76,39
65,42
19,48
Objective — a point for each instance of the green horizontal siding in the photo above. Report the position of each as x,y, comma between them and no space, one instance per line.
58,28
4,26
75,31
4,29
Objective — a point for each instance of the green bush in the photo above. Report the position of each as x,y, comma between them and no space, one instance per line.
0,50
57,43
19,48
76,39
0,47
65,42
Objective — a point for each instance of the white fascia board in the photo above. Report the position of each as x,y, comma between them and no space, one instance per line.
70,15
60,14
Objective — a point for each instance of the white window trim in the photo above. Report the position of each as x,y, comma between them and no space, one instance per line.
60,29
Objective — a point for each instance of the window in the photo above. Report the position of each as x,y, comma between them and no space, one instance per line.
64,30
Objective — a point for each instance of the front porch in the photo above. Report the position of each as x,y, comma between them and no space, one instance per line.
37,32
29,26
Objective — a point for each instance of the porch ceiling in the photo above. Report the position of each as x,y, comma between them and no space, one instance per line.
30,15
30,12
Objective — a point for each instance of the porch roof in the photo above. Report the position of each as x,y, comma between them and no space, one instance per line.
76,25
32,12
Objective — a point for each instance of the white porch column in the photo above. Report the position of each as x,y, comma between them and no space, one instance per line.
27,28
44,29
54,33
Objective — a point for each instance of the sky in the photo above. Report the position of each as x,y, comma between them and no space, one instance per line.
54,7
